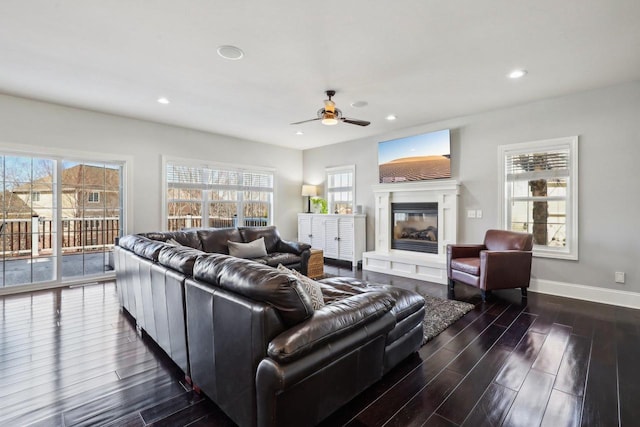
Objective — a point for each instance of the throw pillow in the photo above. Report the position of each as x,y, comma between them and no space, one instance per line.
311,286
253,249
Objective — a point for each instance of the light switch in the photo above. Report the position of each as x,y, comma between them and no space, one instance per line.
479,213
471,213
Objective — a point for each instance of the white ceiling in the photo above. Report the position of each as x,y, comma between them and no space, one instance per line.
424,60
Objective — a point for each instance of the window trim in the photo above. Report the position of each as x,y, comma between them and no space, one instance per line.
339,169
570,251
35,196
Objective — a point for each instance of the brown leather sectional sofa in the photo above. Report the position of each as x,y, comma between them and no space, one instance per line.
247,334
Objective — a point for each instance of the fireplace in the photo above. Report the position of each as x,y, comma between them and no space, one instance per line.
414,227
426,218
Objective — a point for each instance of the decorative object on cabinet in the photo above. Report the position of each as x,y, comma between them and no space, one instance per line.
309,191
319,205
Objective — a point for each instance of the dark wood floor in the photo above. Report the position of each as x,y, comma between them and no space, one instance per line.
71,357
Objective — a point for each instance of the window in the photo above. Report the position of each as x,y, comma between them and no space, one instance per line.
62,237
539,181
94,197
341,189
217,196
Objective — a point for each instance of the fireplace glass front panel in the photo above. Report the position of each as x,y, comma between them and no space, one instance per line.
414,227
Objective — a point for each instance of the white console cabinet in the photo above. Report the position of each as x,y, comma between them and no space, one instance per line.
340,237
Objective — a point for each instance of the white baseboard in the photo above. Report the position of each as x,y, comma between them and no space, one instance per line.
587,293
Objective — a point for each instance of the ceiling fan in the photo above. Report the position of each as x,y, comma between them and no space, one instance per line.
330,115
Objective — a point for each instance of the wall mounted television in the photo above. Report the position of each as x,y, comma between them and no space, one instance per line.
415,158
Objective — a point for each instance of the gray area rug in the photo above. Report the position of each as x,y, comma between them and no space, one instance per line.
440,314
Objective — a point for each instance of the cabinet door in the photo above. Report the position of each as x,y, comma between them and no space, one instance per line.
304,229
317,233
345,239
331,246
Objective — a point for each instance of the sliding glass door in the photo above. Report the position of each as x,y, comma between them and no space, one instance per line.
60,219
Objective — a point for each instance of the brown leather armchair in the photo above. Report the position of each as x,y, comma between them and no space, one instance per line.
502,262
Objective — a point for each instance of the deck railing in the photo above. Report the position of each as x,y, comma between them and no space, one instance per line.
36,236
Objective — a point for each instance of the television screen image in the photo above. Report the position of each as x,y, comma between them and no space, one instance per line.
415,158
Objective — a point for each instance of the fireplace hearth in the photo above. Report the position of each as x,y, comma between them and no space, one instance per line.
414,227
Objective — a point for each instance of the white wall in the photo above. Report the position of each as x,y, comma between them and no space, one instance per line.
32,123
607,122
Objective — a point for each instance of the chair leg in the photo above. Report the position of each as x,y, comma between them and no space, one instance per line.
483,293
524,292
451,284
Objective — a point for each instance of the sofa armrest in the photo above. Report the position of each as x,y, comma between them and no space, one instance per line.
292,247
505,269
462,251
328,324
298,248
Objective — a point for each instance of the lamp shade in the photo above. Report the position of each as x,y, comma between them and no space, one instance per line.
309,190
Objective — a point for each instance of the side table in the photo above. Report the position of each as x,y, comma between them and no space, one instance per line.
315,269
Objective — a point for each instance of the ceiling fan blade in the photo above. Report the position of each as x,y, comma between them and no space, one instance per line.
305,121
355,121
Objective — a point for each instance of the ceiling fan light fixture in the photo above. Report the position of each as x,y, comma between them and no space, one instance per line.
329,120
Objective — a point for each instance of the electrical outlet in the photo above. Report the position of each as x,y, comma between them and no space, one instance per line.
479,213
619,276
471,213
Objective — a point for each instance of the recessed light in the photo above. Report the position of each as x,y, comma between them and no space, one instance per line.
230,52
163,100
516,74
391,117
359,104
299,133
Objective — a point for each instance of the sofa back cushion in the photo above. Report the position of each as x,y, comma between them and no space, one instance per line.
257,282
185,238
503,240
179,258
141,246
270,234
214,240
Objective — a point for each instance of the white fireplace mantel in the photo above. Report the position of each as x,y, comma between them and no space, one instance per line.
431,267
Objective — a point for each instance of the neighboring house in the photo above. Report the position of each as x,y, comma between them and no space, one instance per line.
14,207
87,192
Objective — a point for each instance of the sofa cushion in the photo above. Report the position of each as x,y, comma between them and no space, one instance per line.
277,258
253,249
270,234
467,265
257,282
179,258
214,240
141,246
185,238
311,286
328,324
